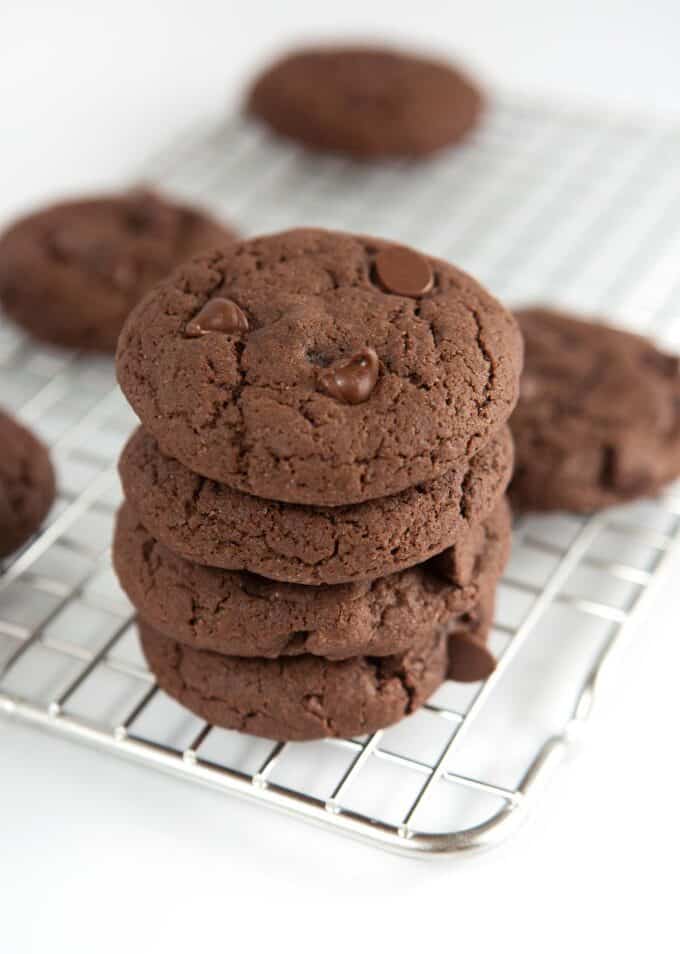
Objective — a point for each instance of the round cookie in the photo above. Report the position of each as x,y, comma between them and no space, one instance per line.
71,272
368,103
209,523
300,697
27,485
238,614
320,368
598,420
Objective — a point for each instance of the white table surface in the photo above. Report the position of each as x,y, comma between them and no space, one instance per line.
99,855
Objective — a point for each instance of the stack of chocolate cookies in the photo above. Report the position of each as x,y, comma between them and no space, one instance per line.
315,519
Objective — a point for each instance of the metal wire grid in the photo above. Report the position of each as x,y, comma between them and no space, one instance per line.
542,203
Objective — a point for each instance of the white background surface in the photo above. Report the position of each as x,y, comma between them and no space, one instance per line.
97,855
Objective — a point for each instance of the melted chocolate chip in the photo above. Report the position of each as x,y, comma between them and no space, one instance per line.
469,658
69,243
352,381
124,276
402,271
219,314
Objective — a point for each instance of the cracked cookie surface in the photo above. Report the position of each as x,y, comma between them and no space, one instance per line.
209,523
267,408
240,614
71,272
299,697
598,420
366,102
27,485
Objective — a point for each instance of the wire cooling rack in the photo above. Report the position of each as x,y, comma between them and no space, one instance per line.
541,204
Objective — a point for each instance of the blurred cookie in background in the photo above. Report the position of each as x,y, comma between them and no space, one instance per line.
598,419
70,273
27,485
366,102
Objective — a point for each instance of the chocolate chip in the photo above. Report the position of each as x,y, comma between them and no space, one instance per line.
469,658
219,314
403,272
621,471
352,381
68,243
529,387
666,364
139,214
124,276
145,213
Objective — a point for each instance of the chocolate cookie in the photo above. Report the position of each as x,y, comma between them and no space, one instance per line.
300,697
320,368
211,524
71,273
369,103
26,484
598,421
239,614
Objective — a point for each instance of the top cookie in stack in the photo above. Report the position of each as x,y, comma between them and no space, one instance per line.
318,409
347,369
